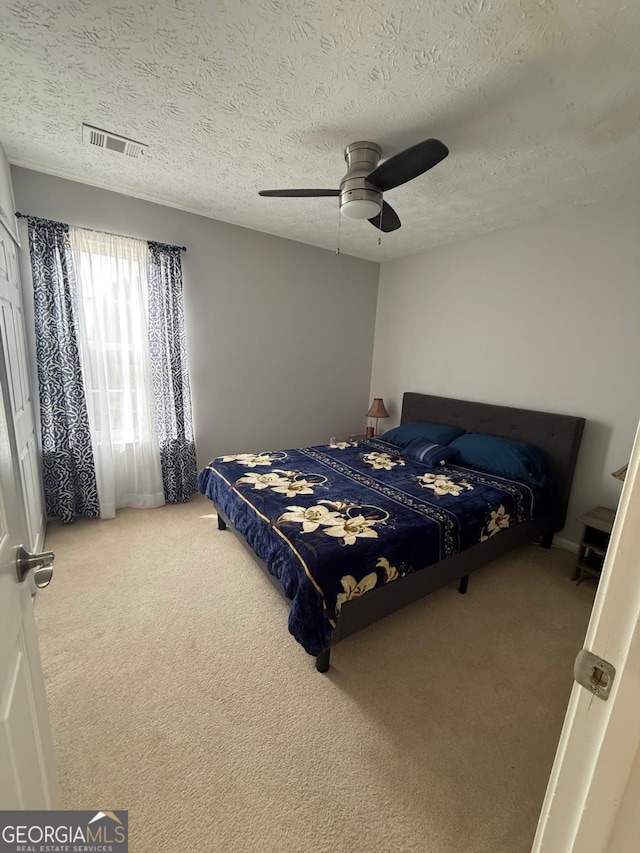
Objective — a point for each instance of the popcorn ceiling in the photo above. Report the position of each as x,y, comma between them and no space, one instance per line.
538,101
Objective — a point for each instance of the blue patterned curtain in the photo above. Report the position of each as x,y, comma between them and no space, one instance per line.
67,455
169,373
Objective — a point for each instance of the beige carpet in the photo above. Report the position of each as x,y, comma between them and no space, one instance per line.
177,692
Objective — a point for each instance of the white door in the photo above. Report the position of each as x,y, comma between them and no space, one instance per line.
27,771
21,404
592,799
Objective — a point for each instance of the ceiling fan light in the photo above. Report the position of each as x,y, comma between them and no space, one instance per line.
360,208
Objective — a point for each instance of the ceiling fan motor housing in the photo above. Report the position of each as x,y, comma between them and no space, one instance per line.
362,158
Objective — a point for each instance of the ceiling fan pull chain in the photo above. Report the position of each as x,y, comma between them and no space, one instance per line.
380,231
339,226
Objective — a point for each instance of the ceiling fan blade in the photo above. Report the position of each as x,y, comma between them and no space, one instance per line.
387,220
408,164
297,193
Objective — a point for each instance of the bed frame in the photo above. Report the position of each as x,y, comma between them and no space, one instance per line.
557,436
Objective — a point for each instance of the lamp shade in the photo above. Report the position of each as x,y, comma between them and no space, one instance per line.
621,473
377,409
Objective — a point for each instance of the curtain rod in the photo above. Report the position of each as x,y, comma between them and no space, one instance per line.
110,233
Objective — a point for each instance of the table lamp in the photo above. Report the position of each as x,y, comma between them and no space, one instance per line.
376,411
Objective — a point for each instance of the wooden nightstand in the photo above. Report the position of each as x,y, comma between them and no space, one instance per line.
598,523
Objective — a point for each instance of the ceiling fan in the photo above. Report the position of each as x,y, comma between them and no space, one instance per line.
362,187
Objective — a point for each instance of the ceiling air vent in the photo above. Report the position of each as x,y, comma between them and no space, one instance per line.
104,139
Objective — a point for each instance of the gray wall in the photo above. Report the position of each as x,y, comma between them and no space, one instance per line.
544,316
279,334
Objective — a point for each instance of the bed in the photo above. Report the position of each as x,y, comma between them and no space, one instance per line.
353,531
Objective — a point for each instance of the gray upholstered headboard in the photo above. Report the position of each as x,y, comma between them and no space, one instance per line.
557,436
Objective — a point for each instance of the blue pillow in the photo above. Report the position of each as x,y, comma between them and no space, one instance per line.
435,433
515,460
433,455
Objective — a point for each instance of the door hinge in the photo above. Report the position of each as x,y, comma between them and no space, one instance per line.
594,673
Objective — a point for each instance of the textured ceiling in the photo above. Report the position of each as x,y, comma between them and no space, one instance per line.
538,101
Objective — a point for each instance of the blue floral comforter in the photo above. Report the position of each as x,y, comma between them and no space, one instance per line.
335,521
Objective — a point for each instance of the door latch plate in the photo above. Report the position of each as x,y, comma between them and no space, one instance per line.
594,673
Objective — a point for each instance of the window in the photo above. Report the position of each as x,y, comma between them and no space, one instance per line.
114,352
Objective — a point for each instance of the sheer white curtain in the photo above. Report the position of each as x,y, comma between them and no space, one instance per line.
114,352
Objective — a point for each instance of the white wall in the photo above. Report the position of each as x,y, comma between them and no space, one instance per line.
544,316
279,334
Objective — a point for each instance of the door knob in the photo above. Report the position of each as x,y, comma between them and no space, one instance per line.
42,565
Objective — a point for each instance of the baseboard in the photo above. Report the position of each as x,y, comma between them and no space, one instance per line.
559,542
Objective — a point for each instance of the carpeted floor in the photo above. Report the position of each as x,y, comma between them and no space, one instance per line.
177,692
